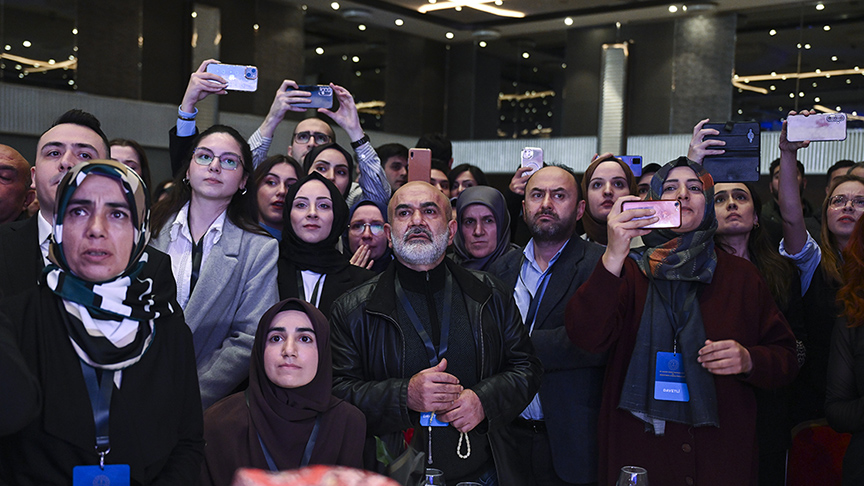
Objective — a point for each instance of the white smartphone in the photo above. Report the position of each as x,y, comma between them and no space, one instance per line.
240,78
532,157
816,128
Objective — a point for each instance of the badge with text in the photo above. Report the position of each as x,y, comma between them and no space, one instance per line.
669,382
112,475
429,419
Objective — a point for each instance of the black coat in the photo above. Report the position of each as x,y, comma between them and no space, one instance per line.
369,360
573,379
155,420
335,284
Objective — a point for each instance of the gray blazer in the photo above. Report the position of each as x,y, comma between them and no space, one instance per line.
236,286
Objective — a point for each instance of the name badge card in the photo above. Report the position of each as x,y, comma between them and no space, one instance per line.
112,475
429,419
669,383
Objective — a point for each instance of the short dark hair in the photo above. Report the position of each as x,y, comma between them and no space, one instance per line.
439,145
142,156
840,164
776,163
438,164
653,167
391,150
87,120
475,171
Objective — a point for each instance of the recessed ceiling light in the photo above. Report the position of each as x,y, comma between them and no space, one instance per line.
74,31
482,43
357,73
344,57
525,55
334,5
684,8
792,95
568,21
806,46
799,45
673,8
361,27
820,6
801,94
837,108
449,35
817,99
319,50
399,22
772,87
499,2
194,15
457,8
848,81
815,85
834,58
818,71
826,28
26,43
255,26
772,32
563,65
8,47
740,111
356,58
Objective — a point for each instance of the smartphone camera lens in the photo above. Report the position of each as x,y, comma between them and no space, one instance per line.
251,72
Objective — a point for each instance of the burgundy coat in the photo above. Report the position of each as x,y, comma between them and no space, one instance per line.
605,313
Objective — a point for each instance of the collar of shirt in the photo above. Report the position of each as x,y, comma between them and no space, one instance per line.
530,263
180,226
45,229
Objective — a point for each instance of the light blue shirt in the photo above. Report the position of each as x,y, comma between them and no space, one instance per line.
531,280
807,260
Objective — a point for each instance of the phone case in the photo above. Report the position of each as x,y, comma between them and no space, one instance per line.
669,212
322,96
419,165
240,78
634,162
740,162
816,128
532,157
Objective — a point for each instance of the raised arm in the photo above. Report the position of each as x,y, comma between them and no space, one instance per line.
789,197
699,146
201,85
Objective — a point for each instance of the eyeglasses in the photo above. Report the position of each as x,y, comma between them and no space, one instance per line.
359,228
839,201
228,160
304,137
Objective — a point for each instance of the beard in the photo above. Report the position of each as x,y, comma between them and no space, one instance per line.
420,252
556,230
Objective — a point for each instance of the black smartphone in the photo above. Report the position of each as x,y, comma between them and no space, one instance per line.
322,96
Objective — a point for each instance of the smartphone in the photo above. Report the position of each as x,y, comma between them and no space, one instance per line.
419,165
816,128
739,161
634,162
668,211
322,96
532,157
240,78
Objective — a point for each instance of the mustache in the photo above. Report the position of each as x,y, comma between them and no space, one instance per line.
416,231
546,212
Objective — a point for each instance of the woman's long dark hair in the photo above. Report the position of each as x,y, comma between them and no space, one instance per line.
778,272
241,210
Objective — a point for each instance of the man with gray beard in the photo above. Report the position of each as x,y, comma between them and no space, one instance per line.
432,346
557,433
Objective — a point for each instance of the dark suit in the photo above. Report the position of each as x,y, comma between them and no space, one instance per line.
572,384
21,261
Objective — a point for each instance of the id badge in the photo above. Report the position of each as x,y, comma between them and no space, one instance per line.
112,475
429,419
669,382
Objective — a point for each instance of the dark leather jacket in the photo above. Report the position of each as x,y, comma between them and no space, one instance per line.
369,359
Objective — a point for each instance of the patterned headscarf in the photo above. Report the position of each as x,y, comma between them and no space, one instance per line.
110,323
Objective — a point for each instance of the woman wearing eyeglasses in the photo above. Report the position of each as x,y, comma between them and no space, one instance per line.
224,263
819,267
310,266
366,239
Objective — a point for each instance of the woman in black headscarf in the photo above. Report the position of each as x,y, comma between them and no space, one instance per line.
105,340
287,418
310,266
690,332
483,235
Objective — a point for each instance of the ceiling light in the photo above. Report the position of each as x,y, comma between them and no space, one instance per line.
357,73
772,32
684,8
773,73
815,85
319,50
344,57
820,6
457,8
449,35
525,55
818,71
838,108
51,61
482,43
499,2
817,99
563,65
255,26
399,22
361,27
806,46
792,95
356,58
848,81
334,5
826,28
26,43
74,31
772,88
834,58
431,1
8,47
673,8
568,21
194,15
740,111
801,94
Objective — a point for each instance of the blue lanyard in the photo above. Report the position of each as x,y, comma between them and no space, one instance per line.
100,402
536,300
431,353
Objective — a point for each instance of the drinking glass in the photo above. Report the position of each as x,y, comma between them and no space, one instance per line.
632,476
434,477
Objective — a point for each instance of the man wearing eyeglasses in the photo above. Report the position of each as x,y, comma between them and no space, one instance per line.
307,135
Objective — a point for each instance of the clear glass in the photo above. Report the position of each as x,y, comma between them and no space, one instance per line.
434,477
632,476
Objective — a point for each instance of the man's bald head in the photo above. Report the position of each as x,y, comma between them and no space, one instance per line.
15,191
421,225
420,187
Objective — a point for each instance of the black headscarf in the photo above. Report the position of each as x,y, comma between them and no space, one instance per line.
494,200
310,159
321,257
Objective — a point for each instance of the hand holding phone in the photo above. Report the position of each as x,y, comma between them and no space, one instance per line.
321,96
532,157
669,212
239,78
816,127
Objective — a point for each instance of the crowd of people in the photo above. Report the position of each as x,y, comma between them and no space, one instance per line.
280,311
